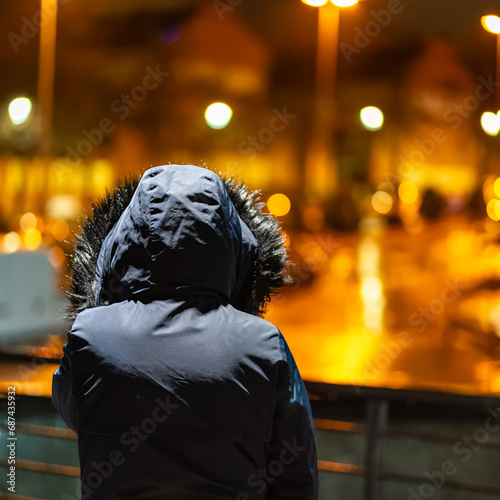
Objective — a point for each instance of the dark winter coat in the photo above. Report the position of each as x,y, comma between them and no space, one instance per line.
176,388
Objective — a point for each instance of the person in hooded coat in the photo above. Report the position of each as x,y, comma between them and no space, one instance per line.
175,386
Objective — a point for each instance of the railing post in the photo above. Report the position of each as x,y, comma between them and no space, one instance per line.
376,425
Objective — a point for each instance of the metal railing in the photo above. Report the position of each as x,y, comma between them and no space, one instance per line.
378,416
375,405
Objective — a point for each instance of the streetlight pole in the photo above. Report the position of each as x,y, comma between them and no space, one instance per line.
492,25
498,71
320,164
321,170
46,68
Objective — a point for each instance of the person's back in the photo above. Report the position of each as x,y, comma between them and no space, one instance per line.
175,387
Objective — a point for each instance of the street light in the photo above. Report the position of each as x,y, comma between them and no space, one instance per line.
218,115
320,171
19,110
315,3
491,24
338,3
490,122
371,118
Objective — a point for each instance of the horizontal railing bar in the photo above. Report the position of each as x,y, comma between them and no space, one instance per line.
357,470
339,425
477,488
43,430
63,470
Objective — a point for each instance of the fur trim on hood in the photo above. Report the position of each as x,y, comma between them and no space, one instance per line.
267,273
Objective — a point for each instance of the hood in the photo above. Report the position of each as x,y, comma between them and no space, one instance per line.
180,229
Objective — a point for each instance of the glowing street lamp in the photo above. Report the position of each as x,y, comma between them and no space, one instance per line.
338,3
490,123
371,118
19,110
218,115
320,170
491,24
315,3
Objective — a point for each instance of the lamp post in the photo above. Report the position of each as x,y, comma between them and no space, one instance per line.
320,168
46,68
492,25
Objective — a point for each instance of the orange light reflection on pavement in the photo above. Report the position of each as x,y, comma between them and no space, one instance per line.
423,295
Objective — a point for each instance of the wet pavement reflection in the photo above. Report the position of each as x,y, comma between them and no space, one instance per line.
407,308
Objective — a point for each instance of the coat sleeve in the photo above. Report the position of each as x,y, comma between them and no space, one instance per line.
62,388
292,460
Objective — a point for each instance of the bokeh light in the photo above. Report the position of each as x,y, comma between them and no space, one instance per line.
63,206
60,230
279,204
19,110
286,240
218,115
496,187
28,221
382,202
490,123
493,209
371,289
372,118
32,239
57,257
408,192
11,242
